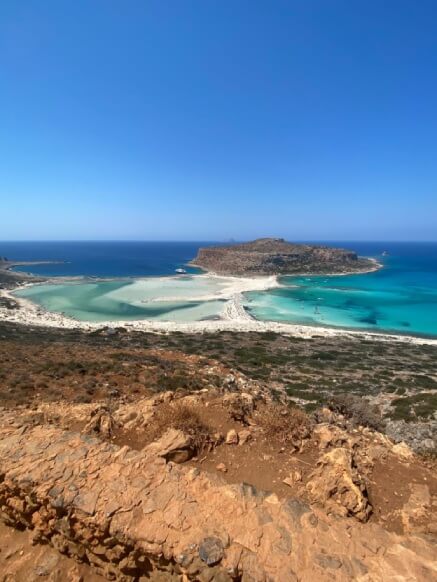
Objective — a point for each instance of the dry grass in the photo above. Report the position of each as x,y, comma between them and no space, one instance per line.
358,410
285,425
239,409
185,418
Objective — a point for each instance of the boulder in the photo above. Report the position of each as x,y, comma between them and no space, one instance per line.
232,437
102,423
329,435
338,487
403,450
211,550
174,445
244,436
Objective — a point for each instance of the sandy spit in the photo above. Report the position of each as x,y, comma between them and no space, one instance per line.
233,317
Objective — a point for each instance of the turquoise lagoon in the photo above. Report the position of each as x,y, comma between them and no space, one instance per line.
157,299
389,300
400,298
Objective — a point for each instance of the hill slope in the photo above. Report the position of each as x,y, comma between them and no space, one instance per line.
273,256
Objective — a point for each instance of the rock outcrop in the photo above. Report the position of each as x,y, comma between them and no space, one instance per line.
101,422
134,516
174,445
273,256
338,486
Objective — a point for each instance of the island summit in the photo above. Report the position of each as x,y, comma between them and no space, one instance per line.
275,256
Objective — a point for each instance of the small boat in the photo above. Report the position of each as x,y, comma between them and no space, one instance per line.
181,271
384,253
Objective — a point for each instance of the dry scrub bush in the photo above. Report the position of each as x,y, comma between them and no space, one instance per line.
357,410
239,409
285,425
182,417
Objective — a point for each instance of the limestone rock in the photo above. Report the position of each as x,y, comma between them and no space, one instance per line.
101,423
418,506
338,486
325,415
46,565
132,516
403,450
232,437
329,435
244,436
174,445
240,405
139,414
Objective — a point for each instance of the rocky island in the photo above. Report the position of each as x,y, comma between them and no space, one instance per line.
275,256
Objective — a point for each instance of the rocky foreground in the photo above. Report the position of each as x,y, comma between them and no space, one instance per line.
275,256
129,456
158,489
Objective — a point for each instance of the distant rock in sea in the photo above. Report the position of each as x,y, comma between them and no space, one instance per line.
275,256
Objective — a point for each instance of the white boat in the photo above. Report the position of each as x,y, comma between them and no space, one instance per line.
181,271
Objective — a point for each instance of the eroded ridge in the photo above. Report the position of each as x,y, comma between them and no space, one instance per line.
133,516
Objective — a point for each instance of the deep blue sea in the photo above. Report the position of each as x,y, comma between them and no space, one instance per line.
401,297
104,259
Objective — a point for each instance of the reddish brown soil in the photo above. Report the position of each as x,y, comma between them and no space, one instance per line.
265,463
21,561
75,372
390,486
83,374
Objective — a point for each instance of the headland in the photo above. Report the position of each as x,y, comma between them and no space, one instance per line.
275,256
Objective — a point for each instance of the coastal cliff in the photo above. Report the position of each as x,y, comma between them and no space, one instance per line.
275,256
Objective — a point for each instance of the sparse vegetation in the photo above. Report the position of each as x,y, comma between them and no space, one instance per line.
357,410
179,380
287,425
182,417
239,409
47,364
421,406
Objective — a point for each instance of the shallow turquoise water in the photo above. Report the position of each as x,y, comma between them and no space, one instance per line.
154,299
402,297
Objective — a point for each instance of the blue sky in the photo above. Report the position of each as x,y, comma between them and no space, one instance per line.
205,120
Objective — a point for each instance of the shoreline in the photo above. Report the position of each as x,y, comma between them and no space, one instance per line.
376,267
233,317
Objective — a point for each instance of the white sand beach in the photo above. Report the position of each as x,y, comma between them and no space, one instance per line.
232,318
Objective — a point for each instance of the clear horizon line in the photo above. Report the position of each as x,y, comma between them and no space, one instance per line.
225,240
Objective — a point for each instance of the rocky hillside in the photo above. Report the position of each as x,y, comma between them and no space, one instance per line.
124,458
275,256
220,485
